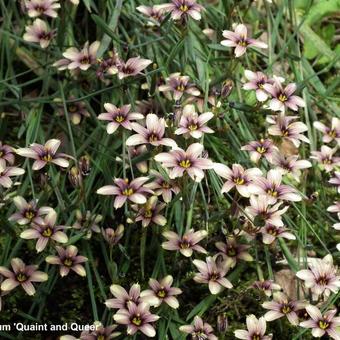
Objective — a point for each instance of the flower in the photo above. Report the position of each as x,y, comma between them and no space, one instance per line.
131,67
108,66
335,208
68,260
281,306
7,153
162,186
185,244
267,286
137,318
290,164
8,171
28,212
257,80
322,324
193,124
35,8
76,110
182,9
283,98
211,273
321,277
326,158
273,189
2,293
262,148
271,232
152,133
23,275
329,133
118,117
232,252
44,230
87,221
256,329
162,291
199,330
283,127
123,298
261,212
135,191
38,32
188,161
179,85
111,236
82,59
100,333
152,12
336,180
44,154
150,212
237,177
239,39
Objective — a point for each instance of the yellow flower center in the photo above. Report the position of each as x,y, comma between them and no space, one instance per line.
29,214
261,149
120,119
285,132
272,232
323,281
181,87
238,181
282,98
272,192
192,127
47,232
327,161
127,192
286,309
85,61
323,324
256,337
214,276
100,337
40,9
148,213
185,164
47,158
153,138
184,8
184,243
260,85
161,293
231,251
137,320
242,43
332,133
21,277
68,262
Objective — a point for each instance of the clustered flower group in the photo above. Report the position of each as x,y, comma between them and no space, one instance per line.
163,162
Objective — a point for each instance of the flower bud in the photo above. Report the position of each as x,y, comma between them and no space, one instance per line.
222,323
84,165
75,177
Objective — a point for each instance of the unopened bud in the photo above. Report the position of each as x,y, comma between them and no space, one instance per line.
75,177
222,323
227,87
84,165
